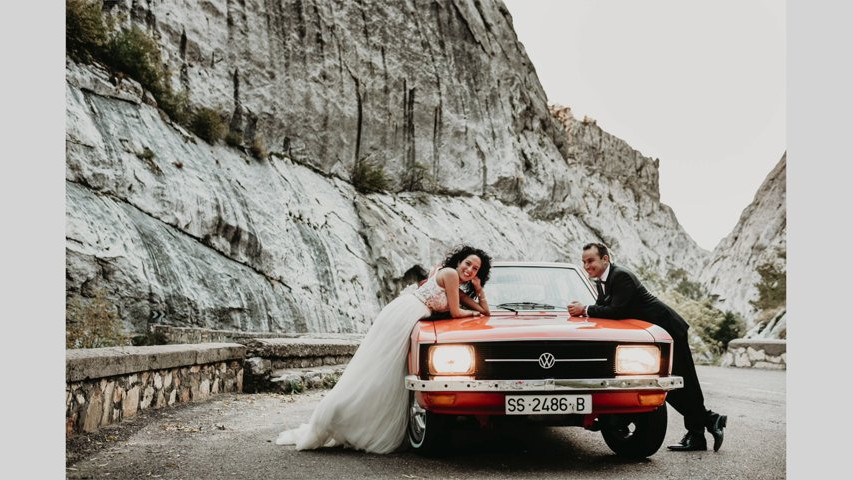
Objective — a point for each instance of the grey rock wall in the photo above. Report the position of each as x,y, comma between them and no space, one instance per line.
443,84
183,233
758,237
221,240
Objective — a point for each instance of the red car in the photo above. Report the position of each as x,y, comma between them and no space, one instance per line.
530,358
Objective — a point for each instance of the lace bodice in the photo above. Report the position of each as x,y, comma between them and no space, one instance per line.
433,296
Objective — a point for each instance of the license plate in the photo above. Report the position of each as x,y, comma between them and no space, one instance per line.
547,404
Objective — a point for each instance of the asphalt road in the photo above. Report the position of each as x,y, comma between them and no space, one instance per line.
231,436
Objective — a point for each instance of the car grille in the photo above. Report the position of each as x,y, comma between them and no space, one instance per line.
520,360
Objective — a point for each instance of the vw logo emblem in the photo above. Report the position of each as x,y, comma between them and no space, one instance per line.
546,360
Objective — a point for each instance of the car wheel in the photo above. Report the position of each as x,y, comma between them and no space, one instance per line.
636,436
428,432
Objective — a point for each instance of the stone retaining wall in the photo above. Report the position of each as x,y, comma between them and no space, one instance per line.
755,353
266,357
105,385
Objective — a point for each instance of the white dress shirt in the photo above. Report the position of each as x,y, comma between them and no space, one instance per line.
603,279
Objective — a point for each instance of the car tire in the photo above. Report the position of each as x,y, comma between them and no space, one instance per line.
428,433
635,436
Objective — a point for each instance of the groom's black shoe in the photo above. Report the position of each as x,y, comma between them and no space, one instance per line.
716,424
693,440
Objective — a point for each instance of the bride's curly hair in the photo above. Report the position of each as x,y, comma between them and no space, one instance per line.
460,253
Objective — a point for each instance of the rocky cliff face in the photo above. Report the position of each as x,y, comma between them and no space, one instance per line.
441,85
181,232
758,238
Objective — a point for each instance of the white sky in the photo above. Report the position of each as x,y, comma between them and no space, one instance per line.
699,85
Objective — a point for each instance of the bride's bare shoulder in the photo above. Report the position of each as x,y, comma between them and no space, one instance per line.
445,274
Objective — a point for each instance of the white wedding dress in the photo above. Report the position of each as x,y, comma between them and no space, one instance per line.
367,408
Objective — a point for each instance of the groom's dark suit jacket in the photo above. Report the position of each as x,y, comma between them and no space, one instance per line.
625,297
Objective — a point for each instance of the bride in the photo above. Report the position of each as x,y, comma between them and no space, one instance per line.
367,408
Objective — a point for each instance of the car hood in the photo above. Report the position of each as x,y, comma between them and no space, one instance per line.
540,326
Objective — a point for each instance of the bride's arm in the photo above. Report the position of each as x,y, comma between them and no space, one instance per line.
450,278
482,305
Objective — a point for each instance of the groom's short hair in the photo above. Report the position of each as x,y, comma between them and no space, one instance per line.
599,247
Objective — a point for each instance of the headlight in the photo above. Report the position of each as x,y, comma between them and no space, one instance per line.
637,359
451,360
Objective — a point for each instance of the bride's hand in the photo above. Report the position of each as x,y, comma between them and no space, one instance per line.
477,285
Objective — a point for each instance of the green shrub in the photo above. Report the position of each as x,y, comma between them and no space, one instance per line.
138,55
368,176
259,148
415,178
85,32
294,386
728,329
93,323
234,139
771,288
685,286
176,105
208,125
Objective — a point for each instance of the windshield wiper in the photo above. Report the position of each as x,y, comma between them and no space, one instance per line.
526,305
505,307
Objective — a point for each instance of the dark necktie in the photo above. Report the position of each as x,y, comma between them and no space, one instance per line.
600,289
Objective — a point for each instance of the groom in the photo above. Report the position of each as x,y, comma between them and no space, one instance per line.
621,296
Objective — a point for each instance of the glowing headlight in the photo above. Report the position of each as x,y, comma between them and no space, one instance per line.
451,360
637,359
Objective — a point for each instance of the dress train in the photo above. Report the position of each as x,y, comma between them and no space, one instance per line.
367,408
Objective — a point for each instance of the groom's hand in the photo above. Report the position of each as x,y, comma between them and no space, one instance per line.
576,309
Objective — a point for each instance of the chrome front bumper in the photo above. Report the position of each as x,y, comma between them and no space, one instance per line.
548,384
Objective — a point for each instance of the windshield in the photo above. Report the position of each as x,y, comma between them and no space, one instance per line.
536,288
